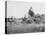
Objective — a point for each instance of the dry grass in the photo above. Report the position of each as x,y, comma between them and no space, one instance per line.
24,28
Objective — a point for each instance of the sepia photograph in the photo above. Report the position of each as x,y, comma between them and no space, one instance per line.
24,17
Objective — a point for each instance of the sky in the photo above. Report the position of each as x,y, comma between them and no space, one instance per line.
18,9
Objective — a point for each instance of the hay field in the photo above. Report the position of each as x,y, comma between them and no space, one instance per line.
24,28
